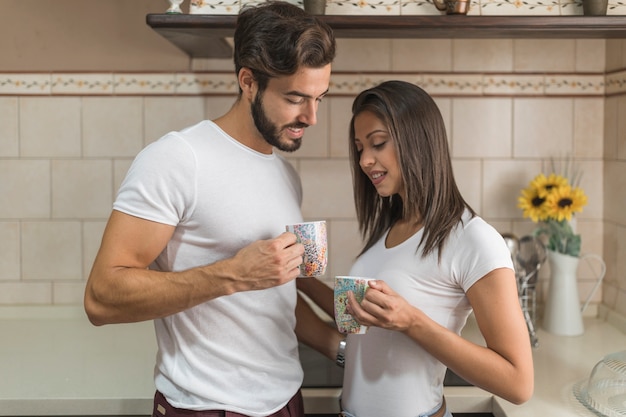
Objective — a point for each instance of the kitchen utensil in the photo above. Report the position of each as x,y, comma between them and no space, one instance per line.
512,242
530,256
604,392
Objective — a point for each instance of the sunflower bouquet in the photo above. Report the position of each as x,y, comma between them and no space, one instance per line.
551,201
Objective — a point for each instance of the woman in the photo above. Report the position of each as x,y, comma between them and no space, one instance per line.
433,260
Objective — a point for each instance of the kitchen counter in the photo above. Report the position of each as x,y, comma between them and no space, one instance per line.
54,362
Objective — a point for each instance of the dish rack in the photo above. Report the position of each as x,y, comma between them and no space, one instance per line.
604,392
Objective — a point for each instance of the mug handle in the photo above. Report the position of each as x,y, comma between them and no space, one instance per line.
599,277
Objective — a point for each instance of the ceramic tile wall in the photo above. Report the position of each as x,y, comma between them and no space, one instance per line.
614,289
66,141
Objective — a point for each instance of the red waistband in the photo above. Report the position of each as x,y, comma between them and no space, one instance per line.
161,408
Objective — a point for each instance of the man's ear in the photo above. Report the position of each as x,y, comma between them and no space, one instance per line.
247,83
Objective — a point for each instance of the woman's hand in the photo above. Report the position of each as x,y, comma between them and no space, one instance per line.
382,307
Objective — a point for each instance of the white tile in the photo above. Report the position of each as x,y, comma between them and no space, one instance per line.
92,236
362,55
542,127
421,54
51,251
216,106
327,186
25,189
81,189
445,108
621,130
468,177
592,183
14,293
483,55
481,127
50,127
503,181
340,116
344,244
211,64
551,55
112,126
120,169
615,54
590,55
9,144
165,114
615,180
9,251
588,127
69,293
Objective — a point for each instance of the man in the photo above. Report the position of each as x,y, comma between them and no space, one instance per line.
196,238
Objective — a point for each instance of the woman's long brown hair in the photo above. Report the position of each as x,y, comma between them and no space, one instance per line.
418,131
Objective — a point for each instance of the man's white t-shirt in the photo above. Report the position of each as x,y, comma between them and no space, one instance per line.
237,352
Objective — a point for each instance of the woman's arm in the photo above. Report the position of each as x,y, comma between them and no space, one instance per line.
503,367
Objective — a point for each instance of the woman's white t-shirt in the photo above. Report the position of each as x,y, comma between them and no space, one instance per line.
386,372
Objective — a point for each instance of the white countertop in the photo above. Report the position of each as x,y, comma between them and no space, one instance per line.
54,362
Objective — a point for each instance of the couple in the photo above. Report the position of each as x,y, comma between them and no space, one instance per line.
195,242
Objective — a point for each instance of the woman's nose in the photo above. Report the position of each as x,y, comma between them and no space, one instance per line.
366,159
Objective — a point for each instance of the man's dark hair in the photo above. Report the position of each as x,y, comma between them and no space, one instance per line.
277,38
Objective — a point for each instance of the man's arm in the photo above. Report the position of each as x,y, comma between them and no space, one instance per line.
315,332
121,289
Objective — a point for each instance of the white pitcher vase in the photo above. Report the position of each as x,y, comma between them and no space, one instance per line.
563,312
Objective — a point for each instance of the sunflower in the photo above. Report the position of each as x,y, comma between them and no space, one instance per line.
544,185
532,204
551,201
564,201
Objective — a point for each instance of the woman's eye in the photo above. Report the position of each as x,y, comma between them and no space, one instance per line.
379,145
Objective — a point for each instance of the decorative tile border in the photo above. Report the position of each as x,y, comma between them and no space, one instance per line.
615,83
24,84
422,7
209,83
87,83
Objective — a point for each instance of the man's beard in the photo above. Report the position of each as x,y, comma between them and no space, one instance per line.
269,130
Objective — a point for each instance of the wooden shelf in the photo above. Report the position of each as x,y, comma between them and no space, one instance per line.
203,36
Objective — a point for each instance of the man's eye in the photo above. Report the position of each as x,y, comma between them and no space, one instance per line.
295,100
